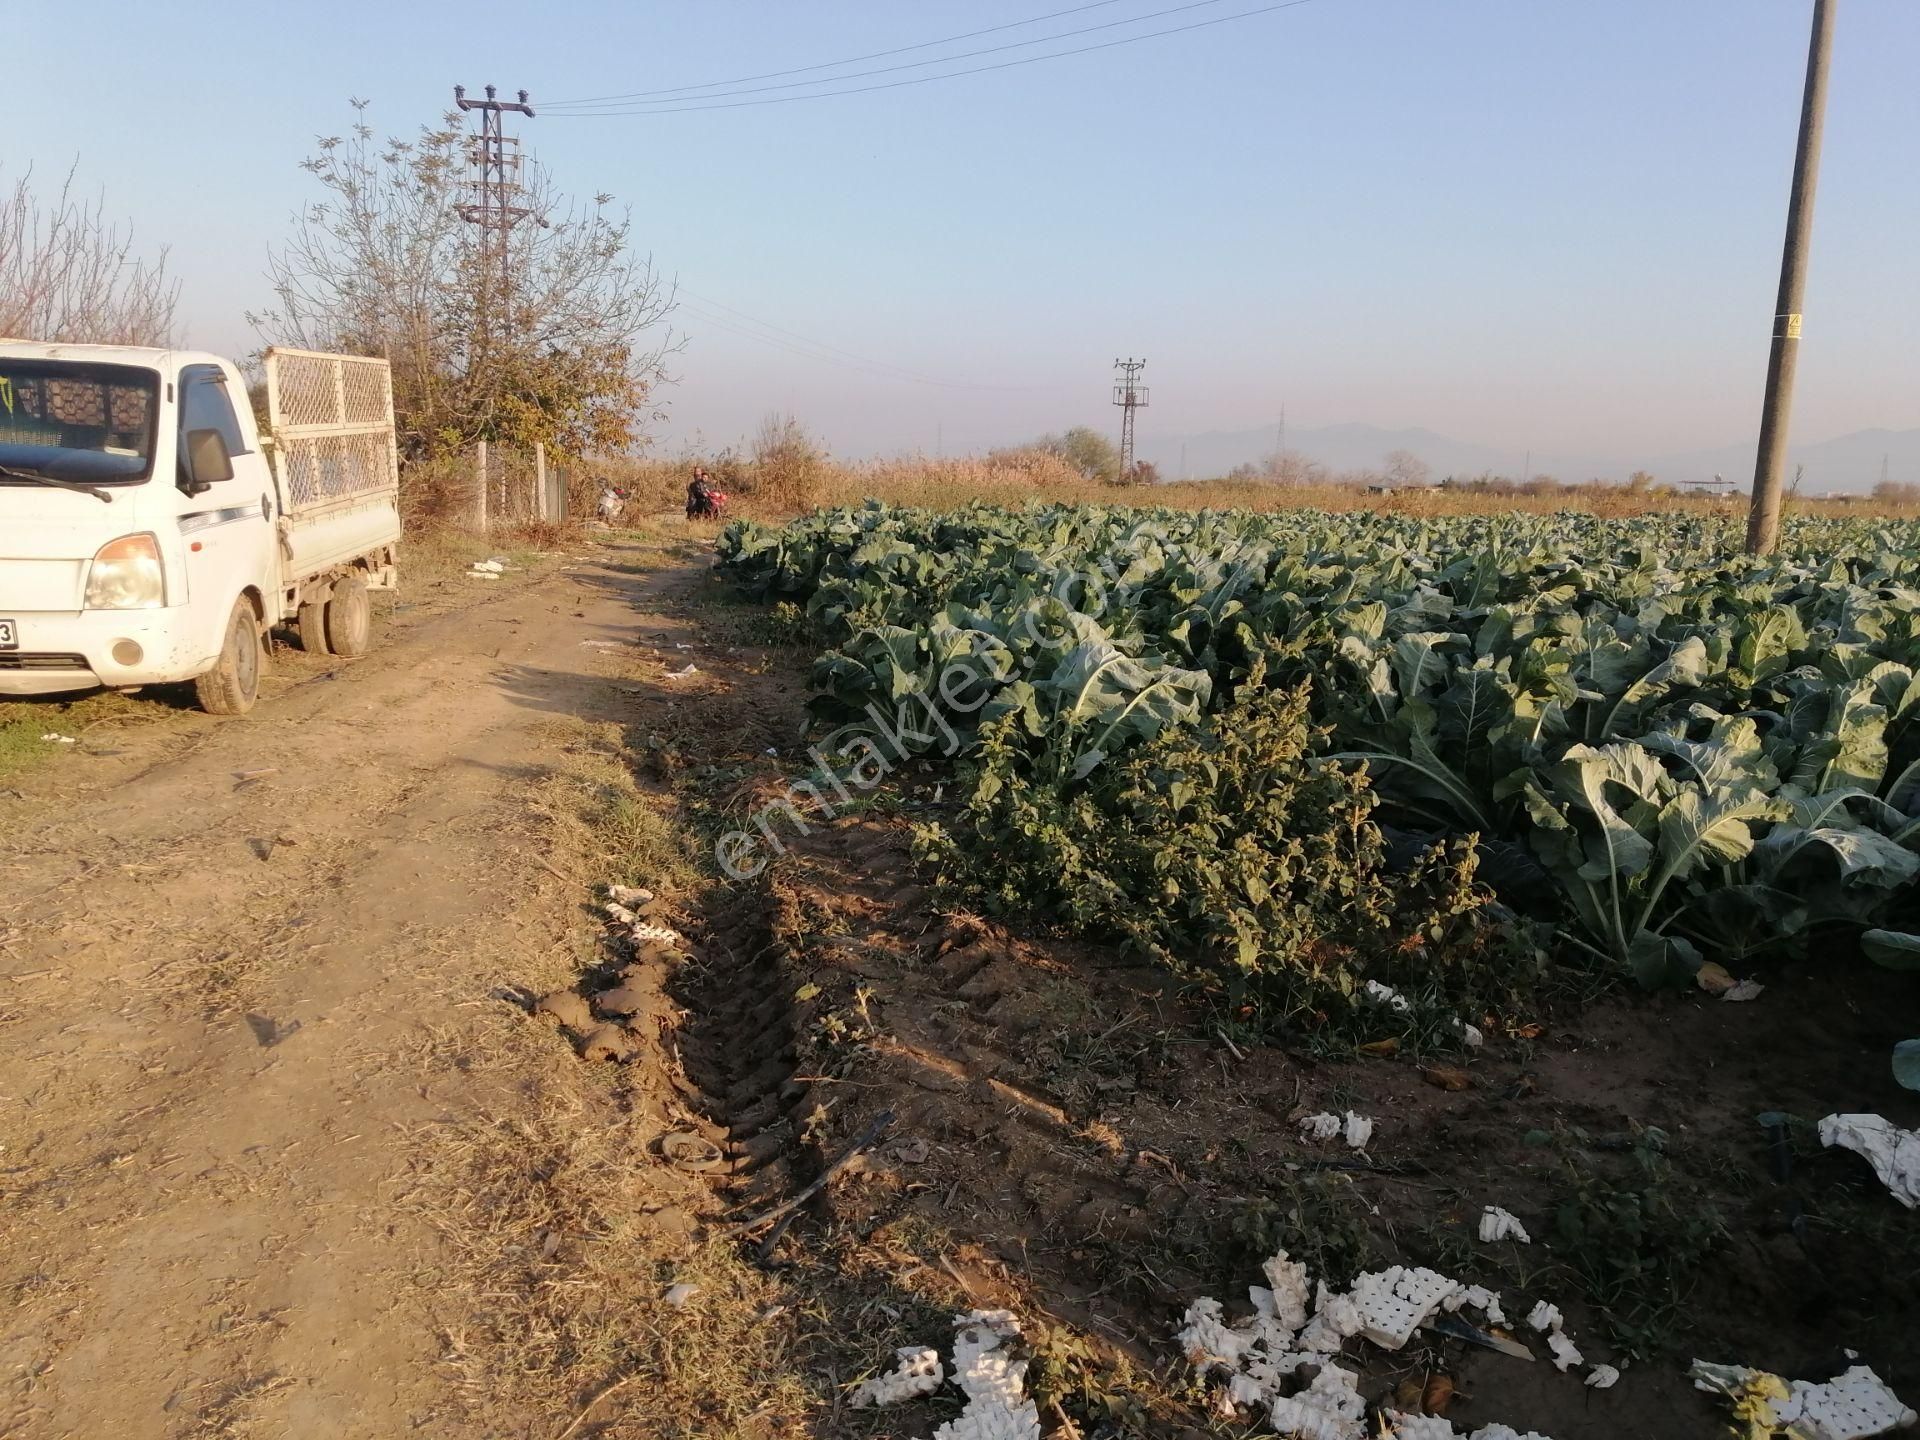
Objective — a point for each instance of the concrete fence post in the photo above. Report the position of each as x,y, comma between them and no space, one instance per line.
480,487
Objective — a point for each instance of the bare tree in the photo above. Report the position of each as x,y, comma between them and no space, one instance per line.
67,273
1406,468
565,344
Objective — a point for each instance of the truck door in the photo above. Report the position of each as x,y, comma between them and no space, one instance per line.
227,532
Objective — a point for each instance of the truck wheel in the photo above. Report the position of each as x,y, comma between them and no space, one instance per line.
233,684
313,628
350,618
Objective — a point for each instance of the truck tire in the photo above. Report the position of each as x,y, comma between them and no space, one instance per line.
231,687
313,628
350,618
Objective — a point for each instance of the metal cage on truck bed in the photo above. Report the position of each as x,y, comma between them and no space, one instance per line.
332,423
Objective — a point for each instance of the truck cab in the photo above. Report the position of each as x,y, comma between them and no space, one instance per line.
145,537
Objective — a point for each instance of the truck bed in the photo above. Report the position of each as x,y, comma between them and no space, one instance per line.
335,460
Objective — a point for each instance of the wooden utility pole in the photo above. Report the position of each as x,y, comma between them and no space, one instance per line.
1763,519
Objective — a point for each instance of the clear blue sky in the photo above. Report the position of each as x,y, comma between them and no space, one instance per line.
1519,222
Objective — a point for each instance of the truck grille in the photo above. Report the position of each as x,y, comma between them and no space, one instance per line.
34,660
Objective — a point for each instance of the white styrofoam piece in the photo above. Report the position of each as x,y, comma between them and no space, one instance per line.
1894,1153
1420,1427
1504,1432
1207,1340
1288,1294
1477,1297
1328,1409
995,1385
1323,1126
1388,996
629,894
1335,1319
1497,1224
918,1373
1602,1377
1393,1303
1358,1130
1545,1317
1565,1353
1854,1404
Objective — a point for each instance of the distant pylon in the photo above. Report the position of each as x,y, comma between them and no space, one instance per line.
1130,396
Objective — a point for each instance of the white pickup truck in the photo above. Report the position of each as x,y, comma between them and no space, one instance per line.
144,535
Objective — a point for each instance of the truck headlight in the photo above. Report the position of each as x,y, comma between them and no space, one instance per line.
126,575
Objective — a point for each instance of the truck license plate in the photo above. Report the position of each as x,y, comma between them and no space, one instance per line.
9,635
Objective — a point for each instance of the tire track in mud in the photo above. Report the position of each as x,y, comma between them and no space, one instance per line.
740,1049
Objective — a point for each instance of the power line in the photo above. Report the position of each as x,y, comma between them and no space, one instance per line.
819,350
942,59
836,64
951,75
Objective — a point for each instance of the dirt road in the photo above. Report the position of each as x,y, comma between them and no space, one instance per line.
220,991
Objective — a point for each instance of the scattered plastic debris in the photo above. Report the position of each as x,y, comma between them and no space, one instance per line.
1744,990
1853,1405
630,895
1357,1130
1478,1297
1894,1153
1389,997
691,669
918,1373
678,1295
1283,1360
1323,1126
54,737
1603,1377
1400,1005
1560,1345
1497,1224
1434,1427
487,569
1328,1409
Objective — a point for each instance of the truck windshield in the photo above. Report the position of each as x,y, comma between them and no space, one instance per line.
69,421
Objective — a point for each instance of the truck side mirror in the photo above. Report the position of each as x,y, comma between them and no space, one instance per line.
207,460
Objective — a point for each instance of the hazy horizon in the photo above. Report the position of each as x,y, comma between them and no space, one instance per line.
1529,228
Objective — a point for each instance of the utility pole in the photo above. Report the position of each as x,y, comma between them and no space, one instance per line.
1763,518
494,159
1129,396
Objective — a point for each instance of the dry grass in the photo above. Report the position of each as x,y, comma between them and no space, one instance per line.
560,1232
768,491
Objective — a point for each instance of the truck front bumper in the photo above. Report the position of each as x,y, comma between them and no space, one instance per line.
83,650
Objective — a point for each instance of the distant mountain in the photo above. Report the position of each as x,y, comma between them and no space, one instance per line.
1844,464
1847,464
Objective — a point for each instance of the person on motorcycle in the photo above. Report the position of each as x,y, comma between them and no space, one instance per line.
699,495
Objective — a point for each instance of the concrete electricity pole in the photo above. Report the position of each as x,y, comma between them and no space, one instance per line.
1763,520
1130,396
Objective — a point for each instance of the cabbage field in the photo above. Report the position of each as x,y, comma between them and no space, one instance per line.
1625,734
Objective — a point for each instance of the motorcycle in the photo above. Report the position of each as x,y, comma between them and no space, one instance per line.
710,508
